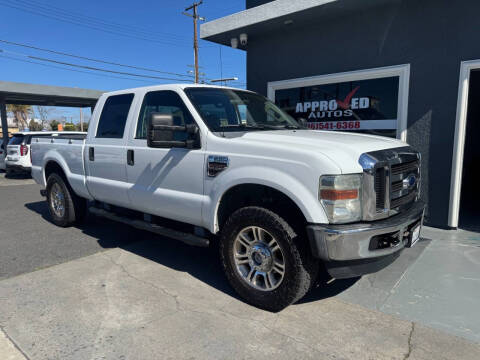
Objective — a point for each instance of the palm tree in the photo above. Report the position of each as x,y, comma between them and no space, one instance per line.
20,112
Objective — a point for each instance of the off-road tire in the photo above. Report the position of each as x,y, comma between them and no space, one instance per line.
300,267
75,206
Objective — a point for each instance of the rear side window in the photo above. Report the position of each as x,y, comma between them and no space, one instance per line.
16,140
114,116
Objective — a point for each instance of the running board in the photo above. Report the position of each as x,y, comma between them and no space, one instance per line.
187,238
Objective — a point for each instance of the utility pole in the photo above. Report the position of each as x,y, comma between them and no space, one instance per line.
81,120
195,17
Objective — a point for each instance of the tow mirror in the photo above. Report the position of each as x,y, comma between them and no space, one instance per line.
302,122
161,133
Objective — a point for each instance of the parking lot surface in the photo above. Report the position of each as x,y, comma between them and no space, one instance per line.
107,291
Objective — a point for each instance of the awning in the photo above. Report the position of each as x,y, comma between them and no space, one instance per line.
278,15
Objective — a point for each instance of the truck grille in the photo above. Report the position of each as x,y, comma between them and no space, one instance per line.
380,189
391,181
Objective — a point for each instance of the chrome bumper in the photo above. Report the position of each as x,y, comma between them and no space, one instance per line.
360,241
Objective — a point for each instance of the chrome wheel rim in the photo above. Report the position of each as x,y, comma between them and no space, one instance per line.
258,258
57,200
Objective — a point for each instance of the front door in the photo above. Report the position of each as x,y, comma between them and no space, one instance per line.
166,182
106,155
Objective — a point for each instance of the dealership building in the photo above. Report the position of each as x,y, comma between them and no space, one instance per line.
401,68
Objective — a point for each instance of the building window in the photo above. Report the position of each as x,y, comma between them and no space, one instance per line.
368,101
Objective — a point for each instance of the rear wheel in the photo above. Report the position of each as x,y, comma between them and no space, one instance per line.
65,207
264,259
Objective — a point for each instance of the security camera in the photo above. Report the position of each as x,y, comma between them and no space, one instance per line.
234,42
243,39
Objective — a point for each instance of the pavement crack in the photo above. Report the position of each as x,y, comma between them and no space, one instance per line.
2,329
407,355
163,290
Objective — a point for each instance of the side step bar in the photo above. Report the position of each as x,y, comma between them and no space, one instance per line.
187,238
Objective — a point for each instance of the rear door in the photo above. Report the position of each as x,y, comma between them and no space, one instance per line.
105,153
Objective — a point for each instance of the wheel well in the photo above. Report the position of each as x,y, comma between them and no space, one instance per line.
260,195
53,167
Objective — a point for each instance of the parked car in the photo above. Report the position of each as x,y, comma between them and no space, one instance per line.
201,163
18,155
2,156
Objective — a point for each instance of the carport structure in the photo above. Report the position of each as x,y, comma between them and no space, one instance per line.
32,94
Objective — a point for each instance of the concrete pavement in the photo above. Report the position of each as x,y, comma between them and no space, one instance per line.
119,305
107,291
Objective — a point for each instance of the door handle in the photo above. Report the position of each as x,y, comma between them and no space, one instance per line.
91,154
130,157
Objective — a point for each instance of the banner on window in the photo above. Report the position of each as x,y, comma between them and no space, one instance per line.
365,105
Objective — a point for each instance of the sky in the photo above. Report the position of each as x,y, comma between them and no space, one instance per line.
149,34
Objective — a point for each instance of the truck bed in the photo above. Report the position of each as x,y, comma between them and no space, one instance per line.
65,149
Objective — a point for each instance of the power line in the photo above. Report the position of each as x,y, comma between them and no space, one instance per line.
91,59
71,14
84,24
78,71
92,68
100,69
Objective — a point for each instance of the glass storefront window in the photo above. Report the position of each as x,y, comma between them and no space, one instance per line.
372,101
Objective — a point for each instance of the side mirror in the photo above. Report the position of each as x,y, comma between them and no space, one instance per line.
160,133
302,122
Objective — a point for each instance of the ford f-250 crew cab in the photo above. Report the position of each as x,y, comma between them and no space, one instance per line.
192,162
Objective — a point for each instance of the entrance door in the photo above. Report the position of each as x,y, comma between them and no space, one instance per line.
470,194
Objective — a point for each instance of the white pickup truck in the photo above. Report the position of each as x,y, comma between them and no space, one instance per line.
200,163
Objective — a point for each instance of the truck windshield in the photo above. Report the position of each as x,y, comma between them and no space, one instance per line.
225,110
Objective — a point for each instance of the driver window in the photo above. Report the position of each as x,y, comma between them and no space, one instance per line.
166,102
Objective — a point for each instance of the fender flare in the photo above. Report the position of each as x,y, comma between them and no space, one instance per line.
305,199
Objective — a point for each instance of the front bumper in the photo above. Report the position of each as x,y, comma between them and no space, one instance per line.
355,249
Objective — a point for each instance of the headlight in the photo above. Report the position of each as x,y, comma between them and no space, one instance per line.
340,196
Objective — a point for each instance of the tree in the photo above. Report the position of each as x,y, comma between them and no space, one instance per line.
20,113
54,125
43,113
69,127
85,126
34,126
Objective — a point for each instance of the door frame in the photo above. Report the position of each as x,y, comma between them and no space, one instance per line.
459,140
402,71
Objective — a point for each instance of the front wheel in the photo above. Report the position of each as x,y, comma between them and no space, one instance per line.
264,259
65,207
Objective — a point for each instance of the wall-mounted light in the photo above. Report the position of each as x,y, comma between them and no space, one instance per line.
234,42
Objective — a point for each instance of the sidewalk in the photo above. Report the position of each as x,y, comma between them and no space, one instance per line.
440,288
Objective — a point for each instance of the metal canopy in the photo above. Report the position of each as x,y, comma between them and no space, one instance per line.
32,94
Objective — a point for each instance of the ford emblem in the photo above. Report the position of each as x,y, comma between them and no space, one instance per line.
409,181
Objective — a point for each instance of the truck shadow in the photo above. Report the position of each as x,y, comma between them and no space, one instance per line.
201,263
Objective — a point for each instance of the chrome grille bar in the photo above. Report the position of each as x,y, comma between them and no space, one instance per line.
391,181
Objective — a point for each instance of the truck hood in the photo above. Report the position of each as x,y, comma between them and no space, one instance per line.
343,148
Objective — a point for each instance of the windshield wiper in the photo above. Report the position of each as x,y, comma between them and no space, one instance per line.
293,127
242,126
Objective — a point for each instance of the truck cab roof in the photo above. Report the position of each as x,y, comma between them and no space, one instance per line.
179,86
